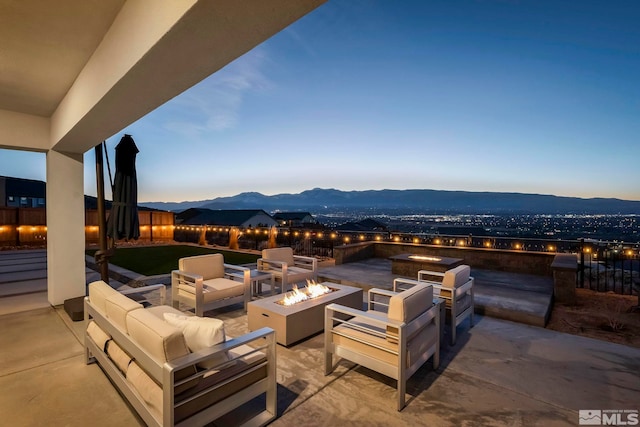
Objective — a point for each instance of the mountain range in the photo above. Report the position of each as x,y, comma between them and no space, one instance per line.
321,200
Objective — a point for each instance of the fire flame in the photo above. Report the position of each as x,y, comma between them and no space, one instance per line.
313,290
425,258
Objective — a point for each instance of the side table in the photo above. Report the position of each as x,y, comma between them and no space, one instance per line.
257,278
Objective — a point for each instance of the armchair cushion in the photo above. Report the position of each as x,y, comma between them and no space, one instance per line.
208,266
200,333
411,303
279,254
407,305
215,289
454,278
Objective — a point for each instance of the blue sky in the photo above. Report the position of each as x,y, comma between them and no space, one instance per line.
519,96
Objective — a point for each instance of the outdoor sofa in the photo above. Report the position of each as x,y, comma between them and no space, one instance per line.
146,354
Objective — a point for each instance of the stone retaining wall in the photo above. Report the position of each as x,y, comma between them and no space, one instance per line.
538,263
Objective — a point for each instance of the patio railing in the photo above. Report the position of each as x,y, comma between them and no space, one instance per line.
602,265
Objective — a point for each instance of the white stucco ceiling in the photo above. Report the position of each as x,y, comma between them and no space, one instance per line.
74,72
44,46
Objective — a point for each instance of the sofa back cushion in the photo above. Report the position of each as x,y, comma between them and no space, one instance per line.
456,277
279,254
99,291
209,266
118,306
156,337
111,303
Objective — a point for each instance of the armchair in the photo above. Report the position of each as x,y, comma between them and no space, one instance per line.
286,267
456,288
396,343
202,282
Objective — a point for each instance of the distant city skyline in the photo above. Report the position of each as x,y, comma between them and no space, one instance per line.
511,96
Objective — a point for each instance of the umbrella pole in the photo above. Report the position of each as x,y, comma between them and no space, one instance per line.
102,256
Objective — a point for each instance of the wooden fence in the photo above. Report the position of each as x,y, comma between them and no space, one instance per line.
28,226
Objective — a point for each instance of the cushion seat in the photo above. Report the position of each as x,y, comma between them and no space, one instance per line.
215,289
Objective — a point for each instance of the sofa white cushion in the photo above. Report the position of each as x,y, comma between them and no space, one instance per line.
99,291
118,356
160,310
156,337
200,333
98,336
118,306
148,389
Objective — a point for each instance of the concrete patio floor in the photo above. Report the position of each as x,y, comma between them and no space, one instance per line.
499,373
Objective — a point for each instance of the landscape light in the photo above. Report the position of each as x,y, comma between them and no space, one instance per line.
378,238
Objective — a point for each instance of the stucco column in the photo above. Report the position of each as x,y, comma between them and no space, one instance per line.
65,227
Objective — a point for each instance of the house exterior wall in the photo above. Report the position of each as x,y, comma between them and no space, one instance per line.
259,220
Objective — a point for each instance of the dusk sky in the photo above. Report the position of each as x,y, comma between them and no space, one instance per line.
518,96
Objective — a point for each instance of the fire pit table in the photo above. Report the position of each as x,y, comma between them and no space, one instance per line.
409,264
300,320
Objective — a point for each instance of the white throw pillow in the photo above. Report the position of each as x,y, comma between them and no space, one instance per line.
200,333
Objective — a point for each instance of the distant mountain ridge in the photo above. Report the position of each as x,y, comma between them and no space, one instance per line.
321,200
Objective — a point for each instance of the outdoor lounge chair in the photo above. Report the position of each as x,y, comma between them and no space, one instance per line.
204,283
395,343
456,288
286,267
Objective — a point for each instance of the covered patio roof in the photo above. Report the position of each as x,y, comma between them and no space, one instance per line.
75,72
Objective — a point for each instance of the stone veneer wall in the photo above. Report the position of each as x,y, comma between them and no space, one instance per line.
538,263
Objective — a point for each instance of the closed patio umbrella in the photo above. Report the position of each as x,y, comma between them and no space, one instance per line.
123,220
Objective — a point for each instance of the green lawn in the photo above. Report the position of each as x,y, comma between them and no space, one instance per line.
152,260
